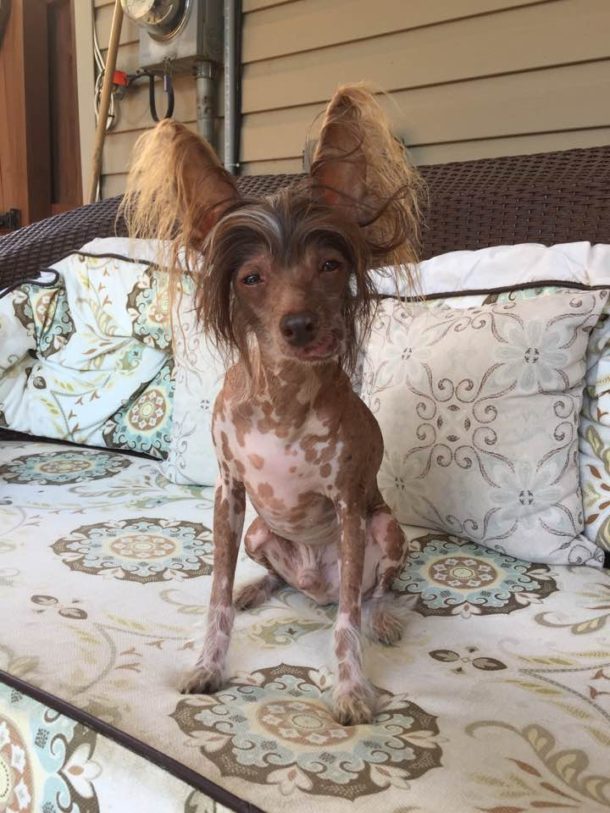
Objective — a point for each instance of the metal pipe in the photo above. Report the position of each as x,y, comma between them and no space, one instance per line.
206,96
231,138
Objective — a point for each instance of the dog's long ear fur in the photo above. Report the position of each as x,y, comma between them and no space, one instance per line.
360,167
176,188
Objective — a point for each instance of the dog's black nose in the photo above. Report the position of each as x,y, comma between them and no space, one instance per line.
299,328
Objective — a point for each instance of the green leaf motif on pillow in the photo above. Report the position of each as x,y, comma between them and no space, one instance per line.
596,484
601,451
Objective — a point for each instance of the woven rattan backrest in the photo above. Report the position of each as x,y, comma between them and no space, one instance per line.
547,198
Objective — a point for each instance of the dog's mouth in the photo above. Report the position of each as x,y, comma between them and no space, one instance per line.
321,349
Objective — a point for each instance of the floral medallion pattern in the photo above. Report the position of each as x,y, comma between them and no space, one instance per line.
488,639
276,728
44,758
145,424
63,468
450,576
140,550
16,781
148,305
46,311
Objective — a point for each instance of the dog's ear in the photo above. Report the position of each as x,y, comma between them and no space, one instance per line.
338,169
176,189
360,168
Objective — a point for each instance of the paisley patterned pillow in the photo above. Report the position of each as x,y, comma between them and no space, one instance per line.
479,408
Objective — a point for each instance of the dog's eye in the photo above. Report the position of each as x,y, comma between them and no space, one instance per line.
330,265
251,279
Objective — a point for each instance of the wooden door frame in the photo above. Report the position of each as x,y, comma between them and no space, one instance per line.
26,169
25,159
85,79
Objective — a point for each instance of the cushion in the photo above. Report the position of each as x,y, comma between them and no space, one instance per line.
86,353
479,408
595,435
199,374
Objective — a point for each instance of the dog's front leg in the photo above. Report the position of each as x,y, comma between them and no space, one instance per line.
353,694
229,507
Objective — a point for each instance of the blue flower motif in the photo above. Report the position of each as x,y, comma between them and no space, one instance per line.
45,757
275,727
140,550
450,576
63,468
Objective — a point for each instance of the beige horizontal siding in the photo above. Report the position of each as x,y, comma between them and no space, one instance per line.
305,26
254,5
103,22
514,41
463,150
550,100
466,78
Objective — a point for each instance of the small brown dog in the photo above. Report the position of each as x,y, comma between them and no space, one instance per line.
284,284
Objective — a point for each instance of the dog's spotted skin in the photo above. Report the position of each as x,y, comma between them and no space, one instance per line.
322,526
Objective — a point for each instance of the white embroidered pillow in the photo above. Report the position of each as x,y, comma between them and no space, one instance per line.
479,409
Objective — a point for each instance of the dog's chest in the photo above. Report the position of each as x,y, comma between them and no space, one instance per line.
281,472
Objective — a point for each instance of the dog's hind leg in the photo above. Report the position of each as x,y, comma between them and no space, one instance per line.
386,534
257,539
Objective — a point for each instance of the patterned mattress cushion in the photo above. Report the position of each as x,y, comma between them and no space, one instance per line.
497,698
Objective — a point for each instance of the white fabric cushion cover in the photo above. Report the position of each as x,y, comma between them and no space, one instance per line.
595,435
198,376
479,411
508,267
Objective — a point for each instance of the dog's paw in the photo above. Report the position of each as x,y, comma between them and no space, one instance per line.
202,681
353,708
386,628
251,595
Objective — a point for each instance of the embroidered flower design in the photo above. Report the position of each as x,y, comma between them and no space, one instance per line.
533,357
141,550
275,727
450,576
63,468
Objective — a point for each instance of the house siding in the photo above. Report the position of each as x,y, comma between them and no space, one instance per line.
464,78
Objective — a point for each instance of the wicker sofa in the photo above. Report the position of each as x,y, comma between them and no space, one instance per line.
505,705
